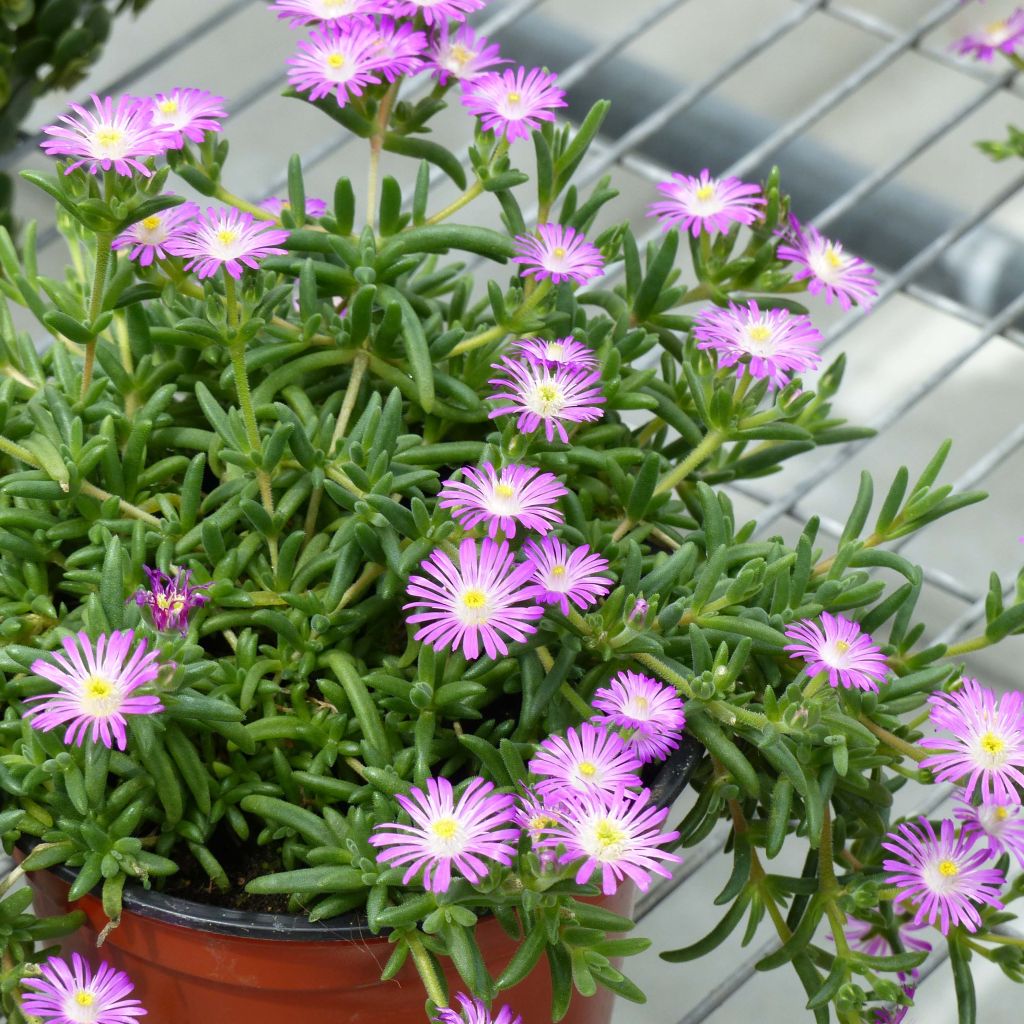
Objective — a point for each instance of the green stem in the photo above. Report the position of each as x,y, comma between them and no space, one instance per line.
376,146
580,706
976,643
427,971
713,440
99,281
243,204
815,685
463,200
892,741
351,394
498,331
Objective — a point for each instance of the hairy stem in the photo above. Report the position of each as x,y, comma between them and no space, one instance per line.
427,971
99,281
675,476
893,741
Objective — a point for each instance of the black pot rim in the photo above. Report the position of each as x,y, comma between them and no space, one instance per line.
668,783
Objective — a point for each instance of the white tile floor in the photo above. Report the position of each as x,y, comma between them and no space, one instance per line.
976,401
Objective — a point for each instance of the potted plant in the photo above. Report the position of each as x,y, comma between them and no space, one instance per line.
368,581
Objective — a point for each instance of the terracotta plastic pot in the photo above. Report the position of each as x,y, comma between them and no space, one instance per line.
194,962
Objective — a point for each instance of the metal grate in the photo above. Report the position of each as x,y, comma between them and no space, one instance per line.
942,224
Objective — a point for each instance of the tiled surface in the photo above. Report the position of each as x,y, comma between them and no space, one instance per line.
975,398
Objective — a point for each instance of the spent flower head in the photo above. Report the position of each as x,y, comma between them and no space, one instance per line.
96,684
652,713
840,648
707,204
463,54
74,994
187,114
152,238
228,238
512,104
565,576
561,254
587,759
171,598
339,60
446,834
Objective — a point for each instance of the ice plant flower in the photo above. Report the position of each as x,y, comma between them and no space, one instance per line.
446,834
537,395
75,995
147,240
464,55
840,648
651,711
398,48
565,576
307,12
827,268
436,12
998,37
227,238
336,60
706,204
171,598
941,875
561,254
513,103
986,741
587,760
618,835
483,600
996,822
534,814
118,135
315,208
515,494
187,114
475,1012
562,352
894,1013
772,343
96,685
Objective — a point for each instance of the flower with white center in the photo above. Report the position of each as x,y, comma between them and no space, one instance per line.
567,353
339,60
706,204
585,760
565,576
74,995
560,253
651,712
512,104
475,1012
840,648
1004,36
827,267
463,55
147,240
998,823
227,238
187,114
307,12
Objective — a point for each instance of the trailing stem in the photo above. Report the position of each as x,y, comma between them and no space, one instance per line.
674,477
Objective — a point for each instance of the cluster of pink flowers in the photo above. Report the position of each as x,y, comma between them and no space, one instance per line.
588,808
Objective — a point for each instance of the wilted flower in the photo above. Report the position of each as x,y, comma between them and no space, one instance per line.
772,343
463,55
651,711
336,60
567,353
827,268
95,688
475,1012
565,576
117,136
484,599
513,103
839,648
561,253
147,239
445,834
501,499
1000,36
706,203
187,114
170,599
586,760
74,995
227,238
942,876
997,822
537,395
986,741
618,835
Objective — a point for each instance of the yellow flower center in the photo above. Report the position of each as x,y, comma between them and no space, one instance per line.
97,688
992,744
514,97
948,869
226,236
833,258
504,491
641,703
168,107
558,251
461,55
558,570
705,192
151,223
607,834
541,821
548,392
588,769
109,136
84,998
445,828
474,599
842,646
1002,813
555,350
165,603
760,332
336,60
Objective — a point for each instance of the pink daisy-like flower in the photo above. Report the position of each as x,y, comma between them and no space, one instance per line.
475,1012
561,253
436,12
187,114
986,742
315,208
306,12
1000,36
464,55
146,239
617,834
398,48
772,343
484,599
840,648
998,823
227,238
651,711
95,688
336,60
941,875
445,834
74,995
706,203
117,135
170,599
585,760
567,576
562,352
827,268
553,398
515,494
513,103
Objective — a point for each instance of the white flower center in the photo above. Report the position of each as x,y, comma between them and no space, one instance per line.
998,32
100,697
109,143
558,579
605,840
473,607
151,231
81,1007
705,199
504,501
759,340
555,351
446,837
993,818
338,68
834,654
224,243
545,399
941,876
638,707
828,262
991,750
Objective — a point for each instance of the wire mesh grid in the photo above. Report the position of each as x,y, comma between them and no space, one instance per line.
871,120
